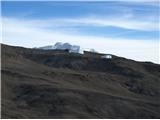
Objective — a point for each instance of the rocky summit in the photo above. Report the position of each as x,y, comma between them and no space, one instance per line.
38,83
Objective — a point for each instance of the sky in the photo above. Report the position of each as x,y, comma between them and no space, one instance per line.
127,28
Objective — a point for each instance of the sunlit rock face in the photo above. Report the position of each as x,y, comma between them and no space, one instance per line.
58,45
63,46
75,49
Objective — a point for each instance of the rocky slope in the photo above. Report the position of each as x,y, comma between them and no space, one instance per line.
47,84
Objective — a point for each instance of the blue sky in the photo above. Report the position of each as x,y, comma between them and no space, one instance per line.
128,28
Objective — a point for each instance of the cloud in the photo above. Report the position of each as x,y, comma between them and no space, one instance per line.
115,22
27,34
127,21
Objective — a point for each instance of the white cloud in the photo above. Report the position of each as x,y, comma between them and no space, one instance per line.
27,34
124,21
115,22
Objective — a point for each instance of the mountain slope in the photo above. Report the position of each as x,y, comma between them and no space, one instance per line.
49,84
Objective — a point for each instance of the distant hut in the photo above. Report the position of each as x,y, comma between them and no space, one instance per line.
107,56
97,55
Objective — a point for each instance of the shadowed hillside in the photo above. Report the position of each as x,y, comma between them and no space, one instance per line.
51,84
